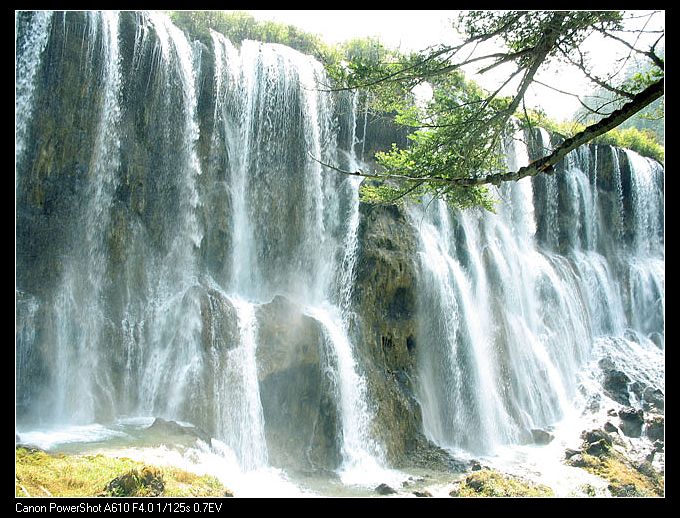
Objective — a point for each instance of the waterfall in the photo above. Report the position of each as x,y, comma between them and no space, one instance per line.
508,323
183,252
77,349
28,59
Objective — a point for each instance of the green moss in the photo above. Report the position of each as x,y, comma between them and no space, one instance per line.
623,478
488,482
42,474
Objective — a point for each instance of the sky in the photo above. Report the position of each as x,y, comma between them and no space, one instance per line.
416,30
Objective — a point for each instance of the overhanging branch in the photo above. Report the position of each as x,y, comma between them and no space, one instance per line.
542,165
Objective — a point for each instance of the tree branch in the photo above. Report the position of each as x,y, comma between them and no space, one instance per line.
542,165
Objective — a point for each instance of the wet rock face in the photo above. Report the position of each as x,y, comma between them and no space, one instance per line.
655,429
631,422
385,304
300,415
615,382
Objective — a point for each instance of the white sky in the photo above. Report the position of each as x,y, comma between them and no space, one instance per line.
415,30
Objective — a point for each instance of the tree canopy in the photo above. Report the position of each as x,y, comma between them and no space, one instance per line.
456,138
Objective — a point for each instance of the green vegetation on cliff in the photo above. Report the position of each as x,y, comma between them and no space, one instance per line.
642,141
39,473
239,26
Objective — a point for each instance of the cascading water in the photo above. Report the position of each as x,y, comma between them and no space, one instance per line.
28,55
149,278
509,323
183,253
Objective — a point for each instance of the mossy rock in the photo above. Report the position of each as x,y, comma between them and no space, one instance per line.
147,482
624,478
491,483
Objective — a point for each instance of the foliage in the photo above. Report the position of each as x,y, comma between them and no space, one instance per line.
42,474
641,141
490,483
456,140
239,26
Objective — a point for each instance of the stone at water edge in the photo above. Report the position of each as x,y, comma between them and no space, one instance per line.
384,489
596,435
173,428
577,461
569,453
615,384
598,448
655,429
541,436
609,427
653,399
422,494
631,422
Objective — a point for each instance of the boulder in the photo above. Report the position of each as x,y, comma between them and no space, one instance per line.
615,384
384,489
298,401
475,465
172,429
147,482
598,448
609,427
569,453
541,436
577,461
631,422
654,429
653,400
596,435
421,494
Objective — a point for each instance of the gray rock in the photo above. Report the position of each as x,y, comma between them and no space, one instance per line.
609,427
615,384
659,446
297,398
384,489
653,399
631,422
598,448
569,453
422,493
475,465
577,461
655,428
612,412
178,431
541,436
593,436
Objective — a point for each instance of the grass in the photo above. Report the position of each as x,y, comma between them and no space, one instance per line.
488,482
42,474
623,478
